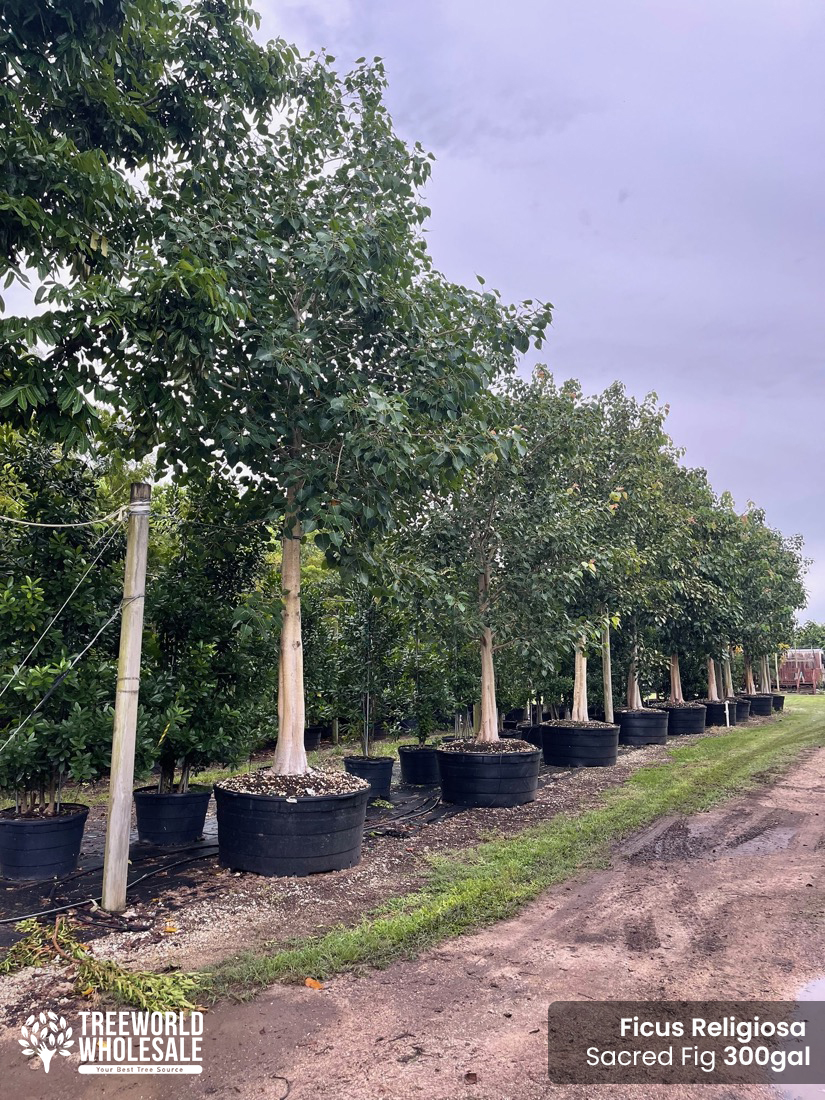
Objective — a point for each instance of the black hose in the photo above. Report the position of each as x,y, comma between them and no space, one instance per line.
96,901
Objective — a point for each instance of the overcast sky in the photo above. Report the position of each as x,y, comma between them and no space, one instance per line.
656,169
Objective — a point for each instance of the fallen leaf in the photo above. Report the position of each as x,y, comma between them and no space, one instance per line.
170,928
313,983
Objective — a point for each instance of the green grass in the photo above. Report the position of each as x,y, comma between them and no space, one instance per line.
466,891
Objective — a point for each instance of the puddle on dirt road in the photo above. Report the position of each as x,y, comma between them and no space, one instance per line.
813,991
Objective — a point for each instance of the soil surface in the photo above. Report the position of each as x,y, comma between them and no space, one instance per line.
725,904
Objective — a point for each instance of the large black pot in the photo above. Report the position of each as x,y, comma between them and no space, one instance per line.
683,720
743,710
377,770
269,835
171,819
577,747
419,766
516,715
489,778
761,705
532,735
647,727
715,715
312,737
33,848
778,701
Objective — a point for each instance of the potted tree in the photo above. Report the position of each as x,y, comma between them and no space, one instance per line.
514,533
425,689
339,369
60,586
578,742
369,672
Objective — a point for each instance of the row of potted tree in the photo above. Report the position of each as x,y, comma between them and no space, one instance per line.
241,291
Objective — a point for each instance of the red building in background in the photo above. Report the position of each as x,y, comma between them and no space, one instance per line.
802,670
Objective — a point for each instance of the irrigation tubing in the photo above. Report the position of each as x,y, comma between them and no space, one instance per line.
96,901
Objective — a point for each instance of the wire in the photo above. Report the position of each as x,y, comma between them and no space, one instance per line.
59,526
66,672
23,663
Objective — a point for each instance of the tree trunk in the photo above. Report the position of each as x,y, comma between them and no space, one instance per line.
580,686
750,686
776,670
184,778
676,695
290,756
728,678
713,692
488,730
607,673
335,736
765,676
476,718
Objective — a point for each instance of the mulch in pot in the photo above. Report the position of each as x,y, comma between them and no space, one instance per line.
510,744
568,723
317,781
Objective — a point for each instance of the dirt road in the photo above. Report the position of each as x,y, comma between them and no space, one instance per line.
726,904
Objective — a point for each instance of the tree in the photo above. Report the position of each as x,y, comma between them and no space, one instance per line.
208,649
55,719
278,322
810,635
770,591
510,541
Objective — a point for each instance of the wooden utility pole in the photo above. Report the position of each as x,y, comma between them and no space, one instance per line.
116,856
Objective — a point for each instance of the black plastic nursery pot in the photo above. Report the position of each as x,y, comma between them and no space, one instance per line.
580,746
489,778
743,710
642,727
761,705
377,770
172,818
778,702
532,734
419,765
684,720
715,715
35,848
312,737
269,835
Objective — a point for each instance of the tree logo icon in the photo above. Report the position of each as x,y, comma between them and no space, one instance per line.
44,1036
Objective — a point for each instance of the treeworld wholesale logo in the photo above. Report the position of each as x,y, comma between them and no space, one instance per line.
44,1036
119,1042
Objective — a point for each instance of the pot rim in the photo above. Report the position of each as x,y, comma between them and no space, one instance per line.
371,759
78,809
194,788
452,753
291,799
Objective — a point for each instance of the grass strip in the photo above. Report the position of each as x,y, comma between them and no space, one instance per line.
467,891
